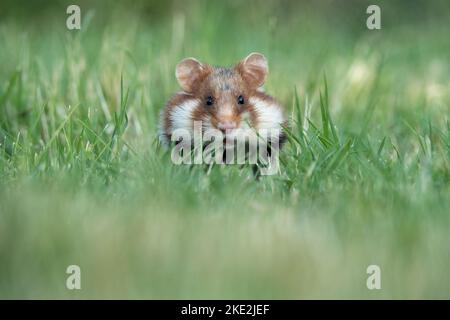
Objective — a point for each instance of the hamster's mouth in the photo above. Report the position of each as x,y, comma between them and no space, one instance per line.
231,137
229,140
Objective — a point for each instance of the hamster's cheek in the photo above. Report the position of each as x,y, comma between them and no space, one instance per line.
246,120
181,114
268,113
202,116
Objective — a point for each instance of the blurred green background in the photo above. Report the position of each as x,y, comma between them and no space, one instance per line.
364,176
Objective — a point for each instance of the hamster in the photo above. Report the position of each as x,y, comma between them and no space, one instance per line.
222,98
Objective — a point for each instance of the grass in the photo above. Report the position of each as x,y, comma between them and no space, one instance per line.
364,175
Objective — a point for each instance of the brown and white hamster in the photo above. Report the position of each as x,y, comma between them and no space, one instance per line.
221,98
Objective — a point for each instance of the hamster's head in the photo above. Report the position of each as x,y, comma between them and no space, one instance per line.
228,98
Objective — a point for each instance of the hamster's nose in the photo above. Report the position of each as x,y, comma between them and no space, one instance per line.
226,125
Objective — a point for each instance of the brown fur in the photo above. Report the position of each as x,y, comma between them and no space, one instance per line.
224,85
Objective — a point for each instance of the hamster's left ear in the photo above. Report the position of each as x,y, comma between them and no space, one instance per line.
190,72
254,69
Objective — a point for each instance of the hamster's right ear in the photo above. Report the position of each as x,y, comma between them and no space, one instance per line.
190,72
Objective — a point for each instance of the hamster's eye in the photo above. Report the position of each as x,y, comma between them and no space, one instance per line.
241,100
209,100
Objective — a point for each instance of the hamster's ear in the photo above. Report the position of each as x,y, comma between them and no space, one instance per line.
190,72
254,69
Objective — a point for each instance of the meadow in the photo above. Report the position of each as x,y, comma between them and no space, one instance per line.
364,176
